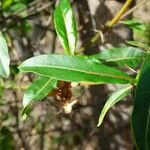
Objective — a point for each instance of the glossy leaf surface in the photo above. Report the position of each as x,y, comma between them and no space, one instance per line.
4,57
74,69
123,56
65,26
113,99
141,110
38,90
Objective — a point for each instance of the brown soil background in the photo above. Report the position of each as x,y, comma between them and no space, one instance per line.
46,129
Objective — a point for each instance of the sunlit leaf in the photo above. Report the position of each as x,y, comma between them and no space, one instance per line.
139,44
6,3
135,25
65,26
37,91
18,6
113,99
122,56
141,110
141,29
74,69
4,57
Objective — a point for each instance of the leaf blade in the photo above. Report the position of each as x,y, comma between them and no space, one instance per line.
122,56
141,30
74,69
37,91
113,99
4,57
141,111
65,26
139,44
135,25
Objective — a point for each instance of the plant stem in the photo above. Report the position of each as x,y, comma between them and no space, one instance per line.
119,14
108,25
134,8
42,136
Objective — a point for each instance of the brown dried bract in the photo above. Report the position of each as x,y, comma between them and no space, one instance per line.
63,96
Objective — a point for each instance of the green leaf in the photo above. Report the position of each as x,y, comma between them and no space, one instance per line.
74,69
113,99
141,29
139,44
123,56
6,3
141,110
37,91
65,26
6,139
18,6
135,25
4,57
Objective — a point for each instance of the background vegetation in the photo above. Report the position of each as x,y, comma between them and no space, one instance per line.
29,31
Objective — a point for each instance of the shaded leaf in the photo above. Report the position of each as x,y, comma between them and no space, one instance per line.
135,25
139,44
65,26
113,99
4,57
141,29
18,6
6,139
141,110
2,102
38,90
74,69
123,56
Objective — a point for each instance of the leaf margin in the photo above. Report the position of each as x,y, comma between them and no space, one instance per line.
112,101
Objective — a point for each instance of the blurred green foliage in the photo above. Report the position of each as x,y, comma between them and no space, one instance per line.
6,139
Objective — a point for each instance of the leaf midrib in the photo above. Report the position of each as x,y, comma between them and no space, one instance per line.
83,71
122,59
69,51
43,87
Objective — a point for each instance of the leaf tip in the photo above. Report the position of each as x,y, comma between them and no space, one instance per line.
25,113
19,67
5,74
99,123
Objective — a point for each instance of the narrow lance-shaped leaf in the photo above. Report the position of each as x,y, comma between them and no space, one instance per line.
139,44
114,98
141,110
142,30
123,56
4,57
135,25
74,69
65,26
37,91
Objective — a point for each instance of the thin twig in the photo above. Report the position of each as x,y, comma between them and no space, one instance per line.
119,14
42,136
108,25
14,110
133,9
